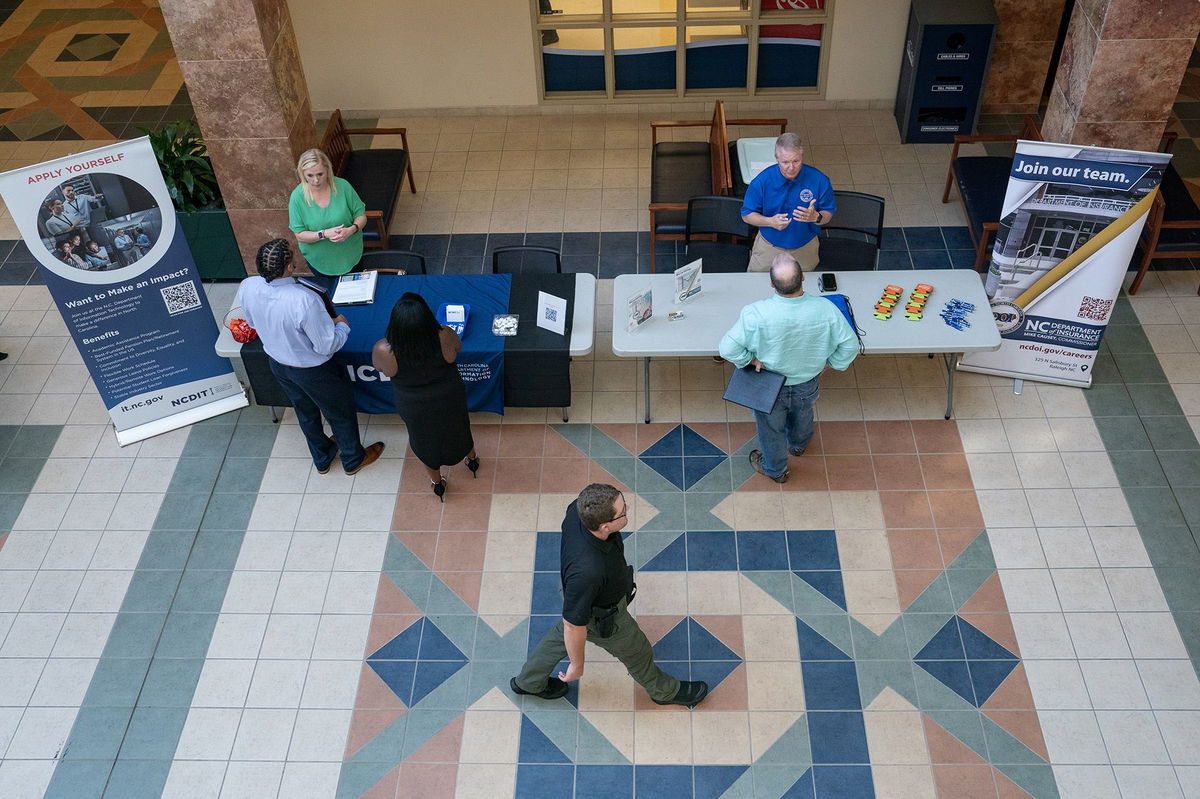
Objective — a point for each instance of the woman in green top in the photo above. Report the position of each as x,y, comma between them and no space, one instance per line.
327,216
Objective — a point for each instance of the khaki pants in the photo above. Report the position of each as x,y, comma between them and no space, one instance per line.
764,252
627,644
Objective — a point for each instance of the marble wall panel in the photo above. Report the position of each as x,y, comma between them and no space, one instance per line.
288,75
273,18
254,173
1134,79
255,227
1151,19
235,99
203,30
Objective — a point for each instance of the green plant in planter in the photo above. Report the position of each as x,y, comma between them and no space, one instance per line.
183,159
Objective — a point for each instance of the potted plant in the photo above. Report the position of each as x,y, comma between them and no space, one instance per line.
192,184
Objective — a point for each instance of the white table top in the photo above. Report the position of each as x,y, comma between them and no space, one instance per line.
583,321
754,155
708,316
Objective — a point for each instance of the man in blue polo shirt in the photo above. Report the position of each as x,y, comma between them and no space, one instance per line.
788,203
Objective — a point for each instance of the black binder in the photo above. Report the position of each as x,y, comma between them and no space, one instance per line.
754,390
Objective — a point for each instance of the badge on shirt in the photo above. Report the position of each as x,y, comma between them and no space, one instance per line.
806,195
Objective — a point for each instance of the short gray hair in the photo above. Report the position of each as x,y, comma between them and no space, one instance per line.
788,141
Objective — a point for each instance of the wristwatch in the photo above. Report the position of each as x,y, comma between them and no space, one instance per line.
320,235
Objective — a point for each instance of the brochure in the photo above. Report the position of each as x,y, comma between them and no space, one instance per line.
356,288
641,308
687,280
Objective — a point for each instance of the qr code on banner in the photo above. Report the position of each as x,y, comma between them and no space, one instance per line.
551,314
180,297
1093,308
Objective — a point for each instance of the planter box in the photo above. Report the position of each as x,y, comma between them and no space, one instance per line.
210,238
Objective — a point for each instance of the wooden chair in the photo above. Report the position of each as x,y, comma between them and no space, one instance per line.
376,173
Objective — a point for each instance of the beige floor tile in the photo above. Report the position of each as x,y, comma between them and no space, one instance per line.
606,685
774,685
857,510
863,550
1041,470
896,737
770,637
711,593
662,593
808,510
722,738
490,736
663,737
479,781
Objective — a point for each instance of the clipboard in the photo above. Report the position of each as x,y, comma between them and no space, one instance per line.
754,390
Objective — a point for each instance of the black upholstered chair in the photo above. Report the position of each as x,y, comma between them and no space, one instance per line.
394,262
851,240
715,232
525,259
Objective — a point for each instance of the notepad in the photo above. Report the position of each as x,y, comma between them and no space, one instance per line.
754,390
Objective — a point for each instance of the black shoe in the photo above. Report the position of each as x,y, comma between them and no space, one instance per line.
439,488
473,465
555,689
756,462
690,694
796,452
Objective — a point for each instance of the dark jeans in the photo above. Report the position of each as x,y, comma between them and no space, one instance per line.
789,424
317,390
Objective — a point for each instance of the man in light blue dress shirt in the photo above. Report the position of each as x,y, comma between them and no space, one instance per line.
797,335
300,340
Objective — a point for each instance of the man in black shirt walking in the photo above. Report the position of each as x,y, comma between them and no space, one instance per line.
597,586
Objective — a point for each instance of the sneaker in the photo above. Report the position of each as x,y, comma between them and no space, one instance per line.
371,455
756,462
690,694
555,689
796,452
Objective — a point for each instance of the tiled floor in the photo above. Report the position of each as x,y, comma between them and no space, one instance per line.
1003,605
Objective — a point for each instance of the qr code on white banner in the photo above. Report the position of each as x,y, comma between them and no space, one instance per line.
1093,308
551,314
180,297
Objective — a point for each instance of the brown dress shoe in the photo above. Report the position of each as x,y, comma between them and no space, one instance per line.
370,455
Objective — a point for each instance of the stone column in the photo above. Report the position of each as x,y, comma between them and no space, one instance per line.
242,68
1020,62
1121,66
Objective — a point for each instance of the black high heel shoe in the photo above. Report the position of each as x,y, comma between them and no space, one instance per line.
439,488
473,465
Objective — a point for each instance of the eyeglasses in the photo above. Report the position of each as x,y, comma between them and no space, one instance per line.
623,514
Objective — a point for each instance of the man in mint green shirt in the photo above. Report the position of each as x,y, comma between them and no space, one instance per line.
797,335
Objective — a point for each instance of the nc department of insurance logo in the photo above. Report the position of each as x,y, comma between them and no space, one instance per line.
806,195
1008,316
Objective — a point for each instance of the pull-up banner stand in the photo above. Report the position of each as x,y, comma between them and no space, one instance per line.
102,228
1071,220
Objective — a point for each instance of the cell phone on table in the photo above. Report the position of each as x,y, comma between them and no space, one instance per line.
828,282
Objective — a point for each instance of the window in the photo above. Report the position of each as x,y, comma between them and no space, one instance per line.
609,49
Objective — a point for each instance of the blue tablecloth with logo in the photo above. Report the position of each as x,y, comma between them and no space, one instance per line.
539,376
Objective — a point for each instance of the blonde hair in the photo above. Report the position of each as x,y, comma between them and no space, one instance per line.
308,159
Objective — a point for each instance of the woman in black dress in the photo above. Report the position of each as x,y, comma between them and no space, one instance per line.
418,354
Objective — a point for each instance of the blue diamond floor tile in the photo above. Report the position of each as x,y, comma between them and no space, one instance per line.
696,445
812,550
711,551
706,646
396,675
953,674
697,467
762,550
843,782
828,583
544,782
669,446
837,737
673,557
831,685
536,747
711,782
604,782
670,468
814,646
